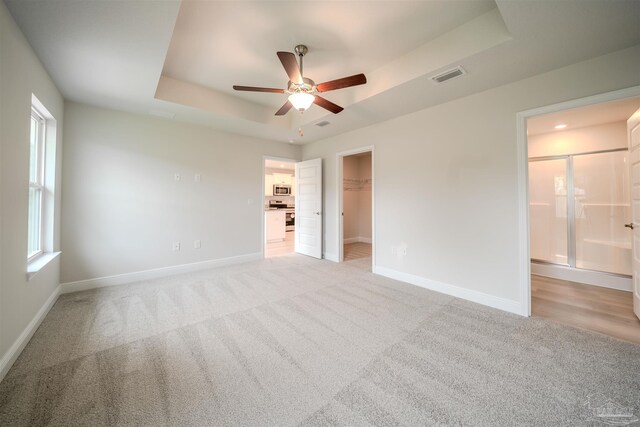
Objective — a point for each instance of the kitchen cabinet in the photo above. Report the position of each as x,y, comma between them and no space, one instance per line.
293,185
268,185
275,225
282,178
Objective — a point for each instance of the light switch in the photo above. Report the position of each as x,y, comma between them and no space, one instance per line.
176,176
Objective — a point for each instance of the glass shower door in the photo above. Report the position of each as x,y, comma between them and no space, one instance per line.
548,210
602,208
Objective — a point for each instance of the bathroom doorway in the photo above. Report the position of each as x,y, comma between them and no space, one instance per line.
580,218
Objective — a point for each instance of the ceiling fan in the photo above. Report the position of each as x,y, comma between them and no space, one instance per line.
303,91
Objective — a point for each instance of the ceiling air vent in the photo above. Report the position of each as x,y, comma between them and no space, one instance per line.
448,75
322,123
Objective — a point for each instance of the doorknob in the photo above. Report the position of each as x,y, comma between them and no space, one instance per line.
317,213
630,225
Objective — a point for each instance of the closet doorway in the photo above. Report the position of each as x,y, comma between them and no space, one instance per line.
355,178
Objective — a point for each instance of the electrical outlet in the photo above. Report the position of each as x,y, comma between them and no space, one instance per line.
404,251
197,244
197,177
394,250
176,176
176,246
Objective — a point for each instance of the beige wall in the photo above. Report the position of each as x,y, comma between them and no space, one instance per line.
357,199
446,177
21,75
123,209
589,138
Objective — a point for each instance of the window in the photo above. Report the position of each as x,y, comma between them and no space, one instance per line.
36,184
41,242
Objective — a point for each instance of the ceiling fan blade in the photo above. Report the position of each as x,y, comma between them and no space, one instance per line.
290,65
327,105
258,89
284,109
355,80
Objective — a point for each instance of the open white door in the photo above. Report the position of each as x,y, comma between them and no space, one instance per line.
308,231
633,126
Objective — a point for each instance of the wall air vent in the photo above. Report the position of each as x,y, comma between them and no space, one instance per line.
323,123
448,75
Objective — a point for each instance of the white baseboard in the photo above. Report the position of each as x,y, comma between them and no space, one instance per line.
455,291
122,279
357,240
589,277
331,257
19,344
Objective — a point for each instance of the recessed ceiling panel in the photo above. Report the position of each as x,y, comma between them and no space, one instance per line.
221,43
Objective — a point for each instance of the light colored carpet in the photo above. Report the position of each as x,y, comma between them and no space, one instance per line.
297,341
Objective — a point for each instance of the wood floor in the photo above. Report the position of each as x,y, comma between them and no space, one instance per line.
357,250
280,248
594,308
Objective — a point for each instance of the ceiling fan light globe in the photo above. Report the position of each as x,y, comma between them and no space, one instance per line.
301,100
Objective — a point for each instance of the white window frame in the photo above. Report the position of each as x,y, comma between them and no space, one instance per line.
38,184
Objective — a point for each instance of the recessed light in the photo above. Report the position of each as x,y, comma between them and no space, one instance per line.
560,126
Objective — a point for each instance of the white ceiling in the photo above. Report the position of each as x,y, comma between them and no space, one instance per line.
608,112
180,58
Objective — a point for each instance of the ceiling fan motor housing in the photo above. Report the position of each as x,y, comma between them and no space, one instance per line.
308,86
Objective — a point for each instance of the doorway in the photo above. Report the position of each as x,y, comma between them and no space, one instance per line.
579,212
355,182
279,206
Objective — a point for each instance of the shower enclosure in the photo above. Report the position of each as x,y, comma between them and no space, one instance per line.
579,211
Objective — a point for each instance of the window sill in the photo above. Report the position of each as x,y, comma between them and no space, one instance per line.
34,266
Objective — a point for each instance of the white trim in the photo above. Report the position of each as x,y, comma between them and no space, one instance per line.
339,196
122,279
524,262
455,291
37,264
19,344
357,240
331,257
589,277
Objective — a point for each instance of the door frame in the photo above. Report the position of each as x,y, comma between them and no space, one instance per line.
339,217
263,230
524,260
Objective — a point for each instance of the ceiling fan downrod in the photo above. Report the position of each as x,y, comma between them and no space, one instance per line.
301,50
